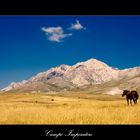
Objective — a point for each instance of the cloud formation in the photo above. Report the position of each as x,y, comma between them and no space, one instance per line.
77,26
55,34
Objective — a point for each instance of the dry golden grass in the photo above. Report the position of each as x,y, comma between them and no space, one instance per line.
70,108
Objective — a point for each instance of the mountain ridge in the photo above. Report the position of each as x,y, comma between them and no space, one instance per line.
65,77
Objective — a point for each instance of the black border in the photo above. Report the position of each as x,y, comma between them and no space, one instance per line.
69,8
97,131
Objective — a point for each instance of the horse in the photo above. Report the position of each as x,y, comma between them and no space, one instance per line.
131,95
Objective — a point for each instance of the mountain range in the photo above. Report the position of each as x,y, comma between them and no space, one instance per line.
92,75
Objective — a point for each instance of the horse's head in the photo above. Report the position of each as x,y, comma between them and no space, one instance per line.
125,92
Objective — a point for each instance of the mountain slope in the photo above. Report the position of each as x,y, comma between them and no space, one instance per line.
83,74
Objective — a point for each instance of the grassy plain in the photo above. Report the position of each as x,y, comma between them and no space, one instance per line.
66,108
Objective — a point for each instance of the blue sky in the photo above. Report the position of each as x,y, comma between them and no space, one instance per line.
32,44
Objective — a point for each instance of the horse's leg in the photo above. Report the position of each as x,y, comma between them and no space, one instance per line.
128,101
134,101
131,101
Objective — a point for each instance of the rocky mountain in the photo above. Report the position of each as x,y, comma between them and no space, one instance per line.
89,74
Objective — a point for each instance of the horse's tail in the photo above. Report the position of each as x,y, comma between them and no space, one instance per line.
137,95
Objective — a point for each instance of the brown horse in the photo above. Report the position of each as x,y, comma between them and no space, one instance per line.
131,95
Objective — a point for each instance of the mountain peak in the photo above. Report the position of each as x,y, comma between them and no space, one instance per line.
93,60
93,63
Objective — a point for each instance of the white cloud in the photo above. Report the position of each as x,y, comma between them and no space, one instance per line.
50,30
55,34
77,26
